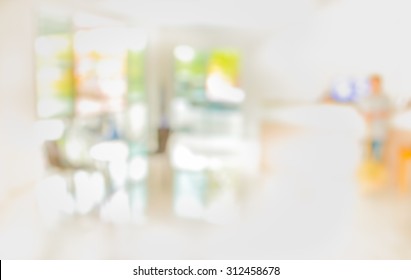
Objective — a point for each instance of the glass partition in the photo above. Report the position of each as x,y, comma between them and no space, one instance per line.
90,75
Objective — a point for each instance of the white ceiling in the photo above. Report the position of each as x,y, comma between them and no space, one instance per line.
262,14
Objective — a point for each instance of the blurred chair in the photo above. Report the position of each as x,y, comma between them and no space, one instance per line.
69,154
57,163
57,159
53,155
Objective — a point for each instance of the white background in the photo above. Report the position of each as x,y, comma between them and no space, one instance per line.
123,270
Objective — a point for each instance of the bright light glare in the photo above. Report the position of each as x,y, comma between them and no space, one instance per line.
138,119
74,149
138,168
118,172
110,151
183,158
85,106
184,53
218,89
89,190
181,113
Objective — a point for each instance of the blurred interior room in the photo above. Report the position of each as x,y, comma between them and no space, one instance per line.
137,129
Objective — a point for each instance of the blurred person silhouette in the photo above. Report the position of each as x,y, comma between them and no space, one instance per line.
376,108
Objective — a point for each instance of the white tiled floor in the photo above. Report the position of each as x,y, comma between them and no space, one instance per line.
305,210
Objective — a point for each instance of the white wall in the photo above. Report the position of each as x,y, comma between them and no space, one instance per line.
19,154
345,38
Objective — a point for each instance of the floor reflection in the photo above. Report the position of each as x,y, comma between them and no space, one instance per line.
119,196
199,200
118,192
